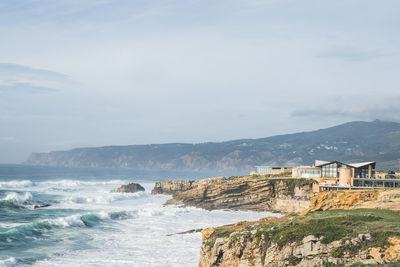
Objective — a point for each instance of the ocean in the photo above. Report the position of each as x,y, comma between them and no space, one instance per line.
56,216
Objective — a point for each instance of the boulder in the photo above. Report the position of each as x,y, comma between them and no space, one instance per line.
129,188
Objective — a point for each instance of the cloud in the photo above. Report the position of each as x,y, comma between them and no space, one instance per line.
26,88
361,108
16,78
350,54
15,72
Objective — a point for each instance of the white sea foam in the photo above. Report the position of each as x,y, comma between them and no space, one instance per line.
104,198
10,262
137,224
76,219
18,197
73,220
143,241
16,184
77,183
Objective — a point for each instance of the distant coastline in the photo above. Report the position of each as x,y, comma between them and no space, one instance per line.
353,141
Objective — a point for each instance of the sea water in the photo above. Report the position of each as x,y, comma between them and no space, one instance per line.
53,216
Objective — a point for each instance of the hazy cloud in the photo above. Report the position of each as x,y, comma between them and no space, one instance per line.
361,108
159,71
26,88
16,78
351,54
12,72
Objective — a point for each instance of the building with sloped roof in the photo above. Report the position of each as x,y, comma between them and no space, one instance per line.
338,173
361,175
357,170
334,175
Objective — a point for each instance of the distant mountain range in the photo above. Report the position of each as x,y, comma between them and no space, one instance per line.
350,142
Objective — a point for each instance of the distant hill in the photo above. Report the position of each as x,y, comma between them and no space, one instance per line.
350,142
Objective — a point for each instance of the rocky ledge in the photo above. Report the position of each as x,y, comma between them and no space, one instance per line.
285,195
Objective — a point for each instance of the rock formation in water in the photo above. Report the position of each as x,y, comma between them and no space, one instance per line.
258,193
129,188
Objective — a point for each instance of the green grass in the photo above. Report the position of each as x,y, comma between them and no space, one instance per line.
391,264
221,232
339,252
294,260
328,225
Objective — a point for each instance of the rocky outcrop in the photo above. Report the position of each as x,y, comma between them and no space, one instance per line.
341,199
386,199
308,252
284,195
315,239
355,199
332,230
129,188
173,187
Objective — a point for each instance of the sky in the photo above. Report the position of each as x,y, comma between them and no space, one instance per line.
94,73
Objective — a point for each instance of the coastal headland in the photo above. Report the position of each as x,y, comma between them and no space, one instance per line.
331,228
284,195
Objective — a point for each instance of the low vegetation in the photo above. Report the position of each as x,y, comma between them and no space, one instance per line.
357,264
328,225
287,174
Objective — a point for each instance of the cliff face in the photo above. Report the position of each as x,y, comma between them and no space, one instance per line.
318,238
355,199
284,195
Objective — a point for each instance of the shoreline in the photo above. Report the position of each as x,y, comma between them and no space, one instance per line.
247,243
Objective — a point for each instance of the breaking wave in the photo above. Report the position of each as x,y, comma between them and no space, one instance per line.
76,183
16,183
10,262
15,200
105,198
38,229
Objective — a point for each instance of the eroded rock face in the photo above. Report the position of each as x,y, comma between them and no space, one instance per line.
172,187
240,193
129,188
309,252
341,199
388,199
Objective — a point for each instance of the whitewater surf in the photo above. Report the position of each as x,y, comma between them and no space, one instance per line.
68,217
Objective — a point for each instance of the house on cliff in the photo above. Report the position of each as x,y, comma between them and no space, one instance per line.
333,175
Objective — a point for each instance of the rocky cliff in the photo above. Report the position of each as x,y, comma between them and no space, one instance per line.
173,187
339,227
355,199
319,238
285,195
